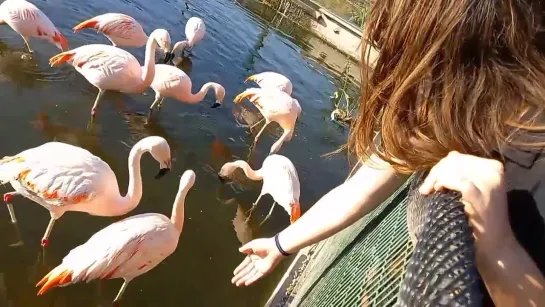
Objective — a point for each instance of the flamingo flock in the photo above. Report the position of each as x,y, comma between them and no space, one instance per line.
61,177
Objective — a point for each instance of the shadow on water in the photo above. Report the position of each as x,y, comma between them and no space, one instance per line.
42,104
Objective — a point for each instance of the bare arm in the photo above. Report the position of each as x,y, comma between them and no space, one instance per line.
511,276
342,206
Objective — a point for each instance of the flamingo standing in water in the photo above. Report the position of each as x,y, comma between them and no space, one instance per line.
272,79
280,180
110,68
125,249
122,30
194,33
62,177
29,21
170,81
275,106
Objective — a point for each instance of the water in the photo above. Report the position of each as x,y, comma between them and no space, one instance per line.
41,104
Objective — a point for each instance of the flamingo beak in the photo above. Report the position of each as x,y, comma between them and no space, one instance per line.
215,105
162,173
168,57
295,212
221,178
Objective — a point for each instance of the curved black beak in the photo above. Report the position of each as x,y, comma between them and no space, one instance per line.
168,56
162,173
215,105
222,179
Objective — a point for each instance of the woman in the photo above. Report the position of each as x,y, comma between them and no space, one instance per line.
458,90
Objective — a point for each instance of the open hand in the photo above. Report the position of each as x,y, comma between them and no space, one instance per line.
262,257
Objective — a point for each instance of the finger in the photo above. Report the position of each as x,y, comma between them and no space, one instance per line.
242,265
455,183
427,185
246,248
254,278
247,269
246,277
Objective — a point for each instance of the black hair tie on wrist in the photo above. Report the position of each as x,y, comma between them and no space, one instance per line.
280,249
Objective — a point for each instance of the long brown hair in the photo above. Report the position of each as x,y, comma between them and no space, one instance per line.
458,75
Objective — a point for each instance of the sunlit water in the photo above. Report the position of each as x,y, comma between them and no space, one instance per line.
40,104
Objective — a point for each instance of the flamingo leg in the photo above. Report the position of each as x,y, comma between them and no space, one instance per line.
261,131
95,105
158,100
7,199
252,209
268,215
45,239
276,146
27,45
121,291
160,104
259,122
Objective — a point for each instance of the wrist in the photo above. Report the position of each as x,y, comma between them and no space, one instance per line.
280,247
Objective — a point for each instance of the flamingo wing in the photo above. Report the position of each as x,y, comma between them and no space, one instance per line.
55,174
125,249
271,79
121,29
281,180
29,21
270,101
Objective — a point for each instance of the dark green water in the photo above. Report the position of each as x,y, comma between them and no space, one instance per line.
40,104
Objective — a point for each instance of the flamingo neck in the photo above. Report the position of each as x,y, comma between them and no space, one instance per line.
196,98
134,191
148,72
248,171
180,46
178,210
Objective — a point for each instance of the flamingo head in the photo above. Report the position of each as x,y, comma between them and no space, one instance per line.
160,150
226,170
220,95
162,38
187,180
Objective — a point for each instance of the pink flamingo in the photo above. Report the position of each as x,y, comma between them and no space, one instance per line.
110,68
125,249
122,30
62,177
170,81
29,21
194,33
270,79
275,106
280,180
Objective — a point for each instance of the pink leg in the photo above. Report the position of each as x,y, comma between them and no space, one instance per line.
8,197
45,239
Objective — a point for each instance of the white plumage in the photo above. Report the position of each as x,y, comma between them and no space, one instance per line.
125,249
271,79
280,180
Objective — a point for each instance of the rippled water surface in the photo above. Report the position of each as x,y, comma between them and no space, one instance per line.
40,104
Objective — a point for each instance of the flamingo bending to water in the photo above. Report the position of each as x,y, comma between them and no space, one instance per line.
275,106
110,68
280,180
29,21
62,177
122,30
170,81
194,33
125,249
270,79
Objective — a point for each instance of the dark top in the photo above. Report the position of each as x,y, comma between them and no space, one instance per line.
525,179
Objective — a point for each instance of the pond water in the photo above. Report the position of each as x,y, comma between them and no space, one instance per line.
41,104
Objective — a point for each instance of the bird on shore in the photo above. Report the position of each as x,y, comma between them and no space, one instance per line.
110,68
29,21
170,81
280,180
62,177
125,249
275,106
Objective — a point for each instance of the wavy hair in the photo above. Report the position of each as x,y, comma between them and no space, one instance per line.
464,75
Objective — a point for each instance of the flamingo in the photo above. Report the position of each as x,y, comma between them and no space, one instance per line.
280,180
125,249
62,177
110,68
194,33
29,21
170,81
275,106
122,30
272,79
